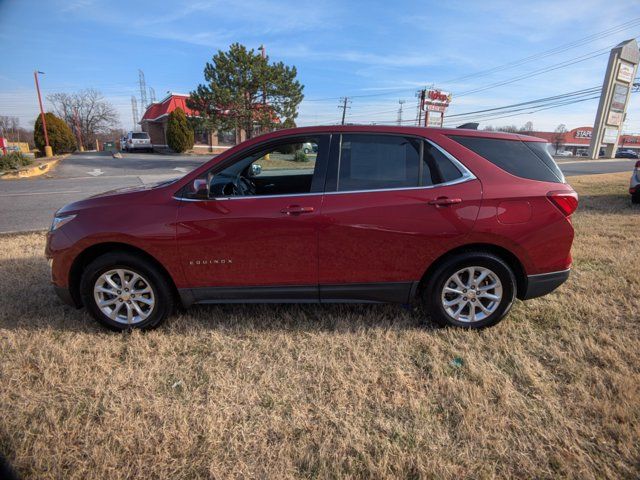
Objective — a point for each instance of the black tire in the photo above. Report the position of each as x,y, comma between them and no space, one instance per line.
635,199
433,291
162,292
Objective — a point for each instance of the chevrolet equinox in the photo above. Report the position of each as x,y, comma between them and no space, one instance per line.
460,220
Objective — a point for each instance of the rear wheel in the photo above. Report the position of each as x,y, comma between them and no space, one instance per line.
124,292
635,198
471,290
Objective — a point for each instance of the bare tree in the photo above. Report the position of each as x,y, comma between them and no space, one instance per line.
558,137
86,112
8,123
10,129
527,127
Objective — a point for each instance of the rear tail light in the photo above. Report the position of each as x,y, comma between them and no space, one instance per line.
566,202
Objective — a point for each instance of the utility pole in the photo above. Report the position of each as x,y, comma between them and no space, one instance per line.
344,107
420,94
263,50
48,152
401,102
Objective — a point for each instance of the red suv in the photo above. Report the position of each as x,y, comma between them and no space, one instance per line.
462,220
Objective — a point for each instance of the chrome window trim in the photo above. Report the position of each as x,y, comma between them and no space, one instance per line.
255,197
466,176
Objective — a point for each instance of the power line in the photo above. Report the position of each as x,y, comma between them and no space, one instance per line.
547,53
529,102
544,54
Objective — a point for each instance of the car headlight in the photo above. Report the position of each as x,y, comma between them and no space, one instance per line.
60,221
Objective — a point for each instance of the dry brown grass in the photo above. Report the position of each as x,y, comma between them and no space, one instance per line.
334,391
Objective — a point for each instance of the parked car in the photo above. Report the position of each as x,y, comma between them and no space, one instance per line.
564,153
138,141
634,185
626,154
308,148
464,221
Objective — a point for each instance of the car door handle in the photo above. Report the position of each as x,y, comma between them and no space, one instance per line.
296,210
444,201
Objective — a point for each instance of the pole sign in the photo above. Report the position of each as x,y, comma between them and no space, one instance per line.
434,104
614,98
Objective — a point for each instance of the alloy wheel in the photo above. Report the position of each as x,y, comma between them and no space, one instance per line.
471,294
124,296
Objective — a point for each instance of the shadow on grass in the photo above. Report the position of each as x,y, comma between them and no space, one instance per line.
607,204
29,302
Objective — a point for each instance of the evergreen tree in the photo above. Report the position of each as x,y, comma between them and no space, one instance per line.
61,137
179,133
243,90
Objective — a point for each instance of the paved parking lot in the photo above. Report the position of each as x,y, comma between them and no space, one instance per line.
30,204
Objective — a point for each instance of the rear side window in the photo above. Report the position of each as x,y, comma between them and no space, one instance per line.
524,159
373,162
437,167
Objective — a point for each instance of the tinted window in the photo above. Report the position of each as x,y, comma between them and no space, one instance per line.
370,162
140,135
523,159
286,168
542,152
437,167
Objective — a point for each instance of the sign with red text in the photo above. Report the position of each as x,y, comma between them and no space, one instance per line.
436,98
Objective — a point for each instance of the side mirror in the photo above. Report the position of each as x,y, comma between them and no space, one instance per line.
256,169
200,188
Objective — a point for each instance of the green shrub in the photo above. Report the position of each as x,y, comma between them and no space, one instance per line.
61,137
14,160
300,156
179,134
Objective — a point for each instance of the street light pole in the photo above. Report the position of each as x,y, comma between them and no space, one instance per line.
48,152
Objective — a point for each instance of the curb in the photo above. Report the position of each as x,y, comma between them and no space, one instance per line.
33,171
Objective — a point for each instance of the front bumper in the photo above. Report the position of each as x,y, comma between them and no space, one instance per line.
538,285
64,294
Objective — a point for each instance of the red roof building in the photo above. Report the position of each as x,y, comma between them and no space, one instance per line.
155,118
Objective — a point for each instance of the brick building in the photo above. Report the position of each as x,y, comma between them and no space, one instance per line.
577,140
155,118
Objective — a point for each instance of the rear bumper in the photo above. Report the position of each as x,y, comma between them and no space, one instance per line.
538,285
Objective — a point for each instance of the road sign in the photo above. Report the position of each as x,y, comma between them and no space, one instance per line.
614,98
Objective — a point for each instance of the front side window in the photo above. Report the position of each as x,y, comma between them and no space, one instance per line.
283,169
373,162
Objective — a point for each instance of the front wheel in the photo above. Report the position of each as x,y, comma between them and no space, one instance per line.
123,292
471,290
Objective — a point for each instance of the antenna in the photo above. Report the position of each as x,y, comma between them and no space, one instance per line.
134,112
143,90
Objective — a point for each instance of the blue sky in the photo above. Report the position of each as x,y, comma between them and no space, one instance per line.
378,52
